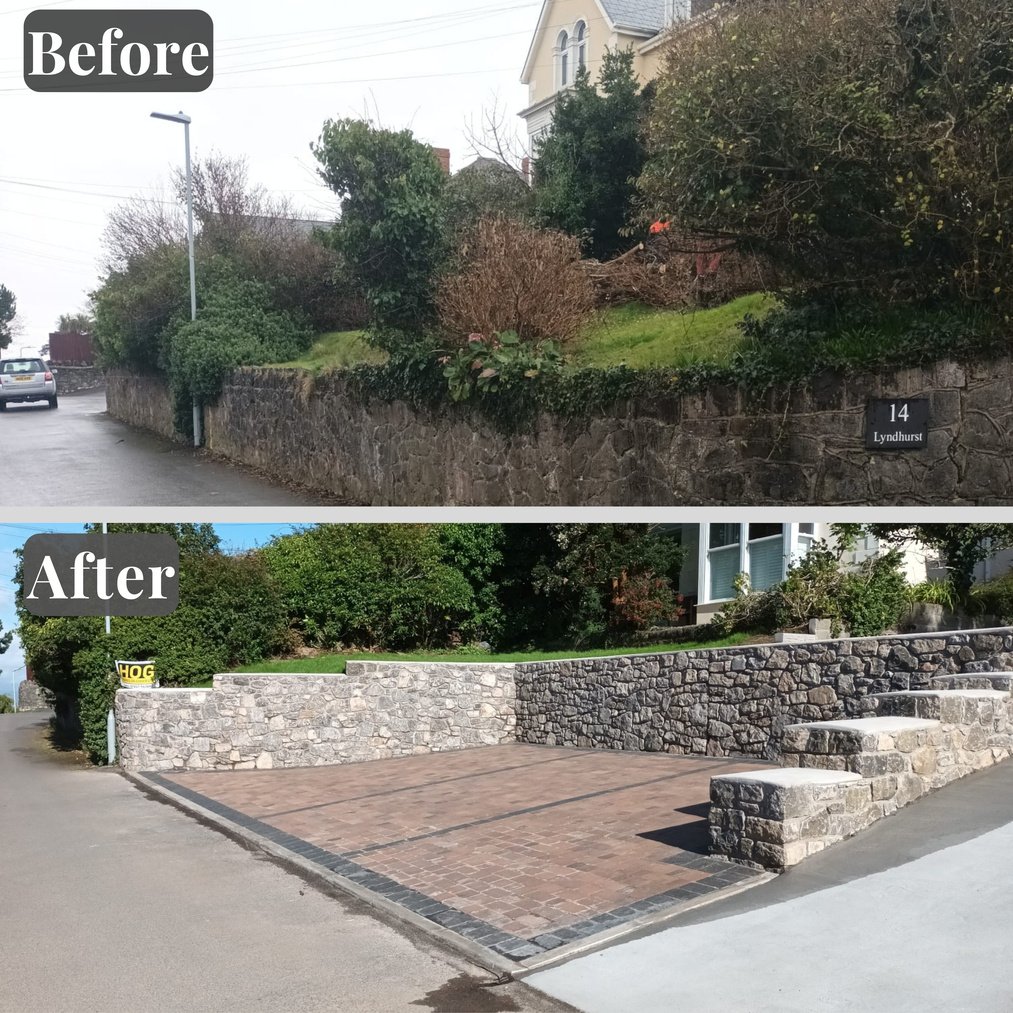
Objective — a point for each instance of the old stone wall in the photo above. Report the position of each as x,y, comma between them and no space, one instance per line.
73,379
801,444
142,401
738,700
376,711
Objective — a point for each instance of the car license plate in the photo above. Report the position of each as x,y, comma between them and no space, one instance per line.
21,379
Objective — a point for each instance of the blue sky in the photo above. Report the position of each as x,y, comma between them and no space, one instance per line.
234,537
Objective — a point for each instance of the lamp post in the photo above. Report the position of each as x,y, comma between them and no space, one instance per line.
185,120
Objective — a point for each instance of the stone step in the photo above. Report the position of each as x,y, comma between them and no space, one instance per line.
988,707
974,680
857,735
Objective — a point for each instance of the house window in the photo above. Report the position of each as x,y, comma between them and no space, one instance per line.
580,36
765,555
723,559
563,56
678,10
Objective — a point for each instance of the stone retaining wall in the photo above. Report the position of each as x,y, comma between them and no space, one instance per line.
802,444
142,401
723,701
30,697
843,776
73,379
738,700
376,711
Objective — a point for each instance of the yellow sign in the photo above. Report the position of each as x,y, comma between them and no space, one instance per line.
136,673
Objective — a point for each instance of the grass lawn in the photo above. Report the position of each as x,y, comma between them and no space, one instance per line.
336,662
642,337
633,334
337,350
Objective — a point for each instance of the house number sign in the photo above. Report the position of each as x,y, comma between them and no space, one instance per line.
897,424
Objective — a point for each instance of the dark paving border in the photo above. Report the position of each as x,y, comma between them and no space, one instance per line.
722,874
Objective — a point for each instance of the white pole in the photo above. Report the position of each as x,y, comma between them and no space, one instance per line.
105,547
111,737
197,434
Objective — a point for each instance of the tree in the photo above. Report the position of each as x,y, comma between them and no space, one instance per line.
963,546
8,311
392,230
857,145
586,169
83,323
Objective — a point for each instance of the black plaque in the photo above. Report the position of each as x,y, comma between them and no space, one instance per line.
897,424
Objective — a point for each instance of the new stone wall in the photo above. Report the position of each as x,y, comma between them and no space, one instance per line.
734,701
802,444
376,711
724,701
30,697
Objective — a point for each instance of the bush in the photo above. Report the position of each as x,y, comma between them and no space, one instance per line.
586,167
514,277
994,598
6,704
229,614
236,327
858,144
392,230
373,585
601,583
865,601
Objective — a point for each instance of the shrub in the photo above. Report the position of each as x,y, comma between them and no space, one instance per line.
392,230
236,327
994,598
6,704
934,592
514,277
858,144
586,167
373,585
600,583
865,601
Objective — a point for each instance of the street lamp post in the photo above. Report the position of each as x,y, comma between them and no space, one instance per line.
185,120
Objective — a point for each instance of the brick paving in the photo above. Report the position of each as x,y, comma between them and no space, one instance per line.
520,848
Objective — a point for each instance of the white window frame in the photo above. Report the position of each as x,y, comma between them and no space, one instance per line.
564,44
579,36
791,549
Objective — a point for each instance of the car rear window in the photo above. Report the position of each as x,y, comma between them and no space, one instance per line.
23,366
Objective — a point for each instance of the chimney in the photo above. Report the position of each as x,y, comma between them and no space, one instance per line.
443,156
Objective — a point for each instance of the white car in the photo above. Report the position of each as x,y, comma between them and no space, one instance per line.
26,380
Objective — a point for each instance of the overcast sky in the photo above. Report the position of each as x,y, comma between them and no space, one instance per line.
281,70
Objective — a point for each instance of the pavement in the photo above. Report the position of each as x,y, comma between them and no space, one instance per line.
521,851
912,916
79,456
112,901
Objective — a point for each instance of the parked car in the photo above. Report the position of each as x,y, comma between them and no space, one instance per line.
26,380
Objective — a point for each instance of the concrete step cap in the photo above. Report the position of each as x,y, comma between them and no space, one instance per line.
787,777
949,694
881,725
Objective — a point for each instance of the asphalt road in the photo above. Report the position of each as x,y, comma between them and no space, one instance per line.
911,916
78,455
112,901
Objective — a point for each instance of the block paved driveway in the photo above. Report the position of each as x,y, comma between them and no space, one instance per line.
519,848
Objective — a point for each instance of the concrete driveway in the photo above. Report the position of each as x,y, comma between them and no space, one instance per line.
911,916
79,456
112,901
